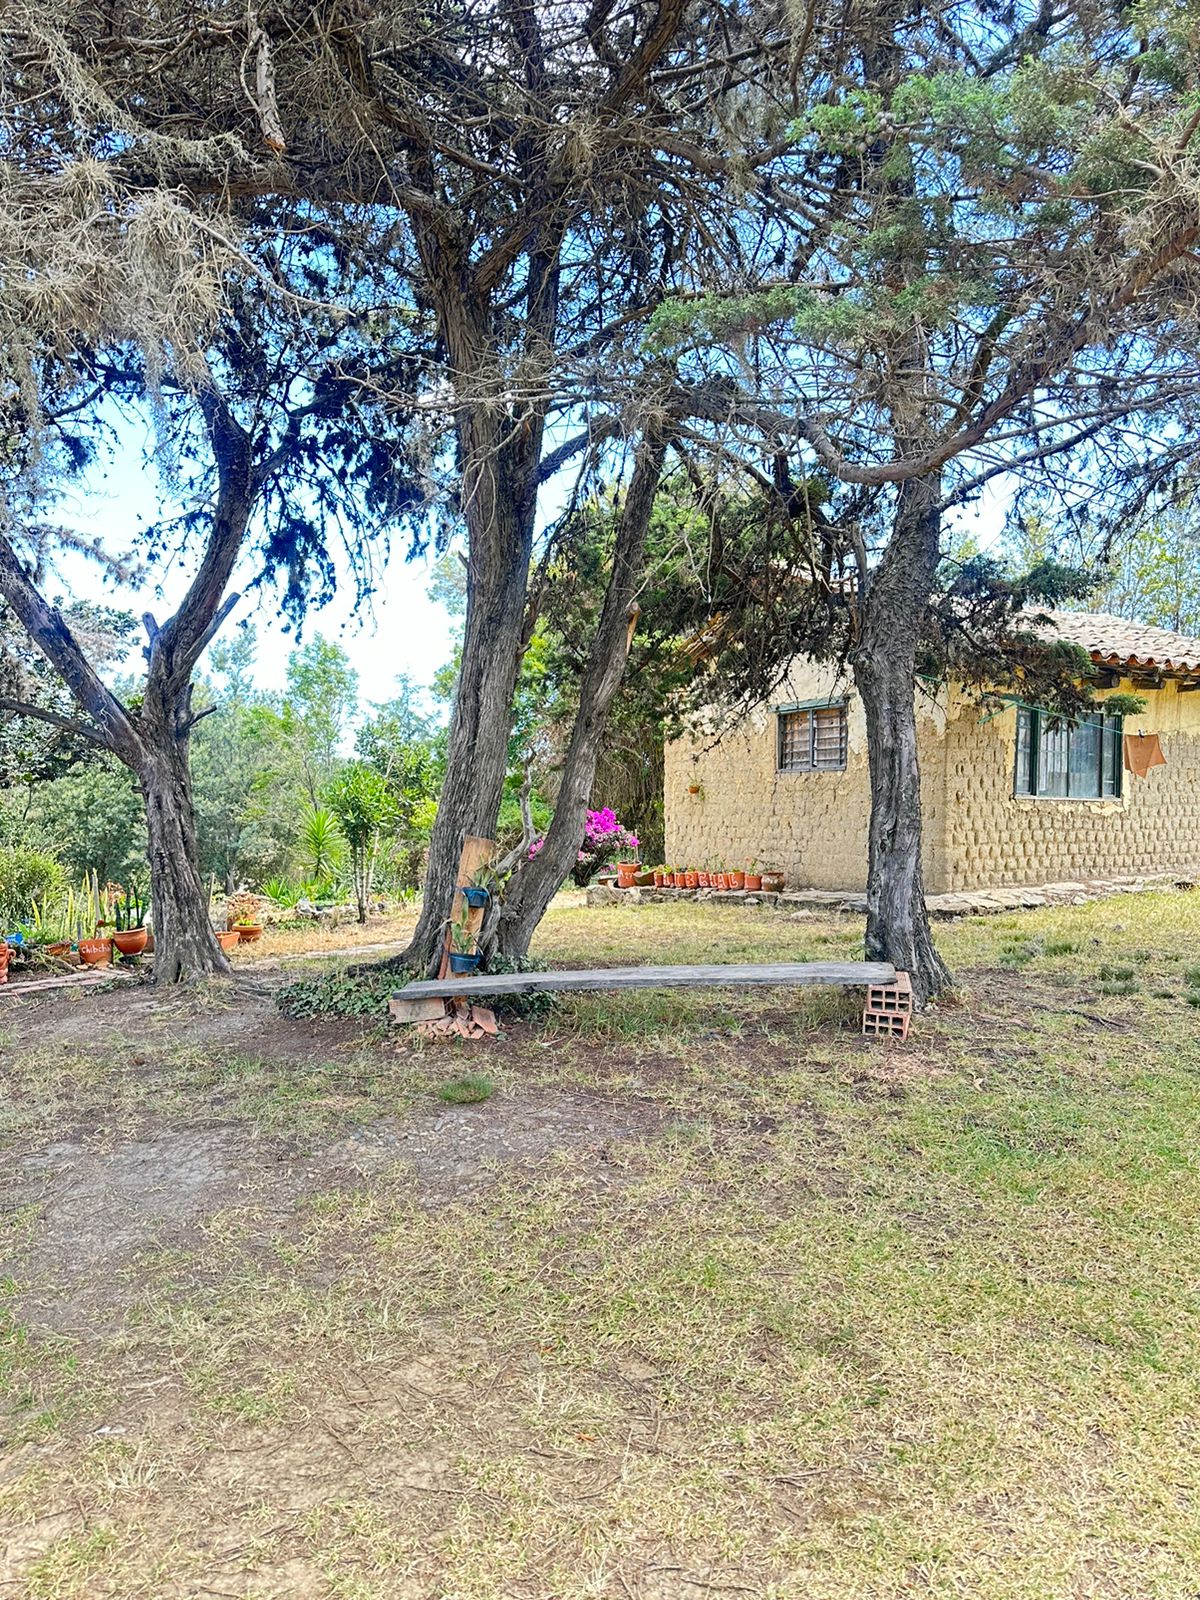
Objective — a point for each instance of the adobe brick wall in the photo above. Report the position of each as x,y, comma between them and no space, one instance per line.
977,834
812,826
995,838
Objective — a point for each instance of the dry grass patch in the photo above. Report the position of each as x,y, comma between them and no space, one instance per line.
779,1313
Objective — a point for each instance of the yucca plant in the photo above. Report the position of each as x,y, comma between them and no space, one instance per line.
320,842
283,892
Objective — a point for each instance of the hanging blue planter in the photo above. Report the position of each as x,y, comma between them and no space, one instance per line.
475,897
460,962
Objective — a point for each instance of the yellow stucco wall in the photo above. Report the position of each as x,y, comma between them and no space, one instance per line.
813,825
994,837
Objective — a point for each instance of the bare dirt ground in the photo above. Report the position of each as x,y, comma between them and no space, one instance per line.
102,1199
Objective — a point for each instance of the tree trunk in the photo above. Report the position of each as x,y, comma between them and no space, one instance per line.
152,741
884,660
538,880
185,947
477,756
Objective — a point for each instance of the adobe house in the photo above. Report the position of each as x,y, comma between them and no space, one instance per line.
1010,797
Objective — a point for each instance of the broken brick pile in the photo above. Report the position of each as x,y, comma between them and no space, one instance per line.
461,1021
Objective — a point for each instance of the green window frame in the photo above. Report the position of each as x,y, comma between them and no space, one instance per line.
1067,758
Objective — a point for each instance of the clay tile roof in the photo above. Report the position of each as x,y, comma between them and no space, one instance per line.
1117,642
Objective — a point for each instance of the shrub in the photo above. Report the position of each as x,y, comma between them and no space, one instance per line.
26,875
606,841
283,892
339,994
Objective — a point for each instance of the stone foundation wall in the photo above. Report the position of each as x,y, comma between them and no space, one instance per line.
994,837
812,826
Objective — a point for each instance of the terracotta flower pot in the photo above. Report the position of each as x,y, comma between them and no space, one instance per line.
691,879
248,932
132,941
229,940
4,955
702,880
753,882
627,871
95,952
61,949
735,880
773,882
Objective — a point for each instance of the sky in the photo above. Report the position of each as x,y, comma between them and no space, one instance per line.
402,632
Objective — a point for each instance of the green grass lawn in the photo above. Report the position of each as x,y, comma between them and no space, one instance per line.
763,1309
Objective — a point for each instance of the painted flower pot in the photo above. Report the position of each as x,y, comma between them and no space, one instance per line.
702,880
248,932
753,882
95,952
461,962
4,954
773,882
735,880
721,882
660,879
475,897
132,941
229,939
691,879
627,871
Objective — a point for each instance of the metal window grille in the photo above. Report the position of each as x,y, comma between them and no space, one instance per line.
813,740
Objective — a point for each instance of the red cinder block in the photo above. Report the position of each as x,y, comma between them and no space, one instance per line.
890,999
886,1024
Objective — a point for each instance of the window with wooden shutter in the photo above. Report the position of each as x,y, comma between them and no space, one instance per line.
811,739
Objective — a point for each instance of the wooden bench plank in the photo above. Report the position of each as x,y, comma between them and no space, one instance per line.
855,974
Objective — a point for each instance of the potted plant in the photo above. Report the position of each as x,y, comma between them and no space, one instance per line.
691,878
660,877
484,883
753,879
464,957
247,930
131,935
5,952
96,951
703,877
627,871
735,879
773,882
